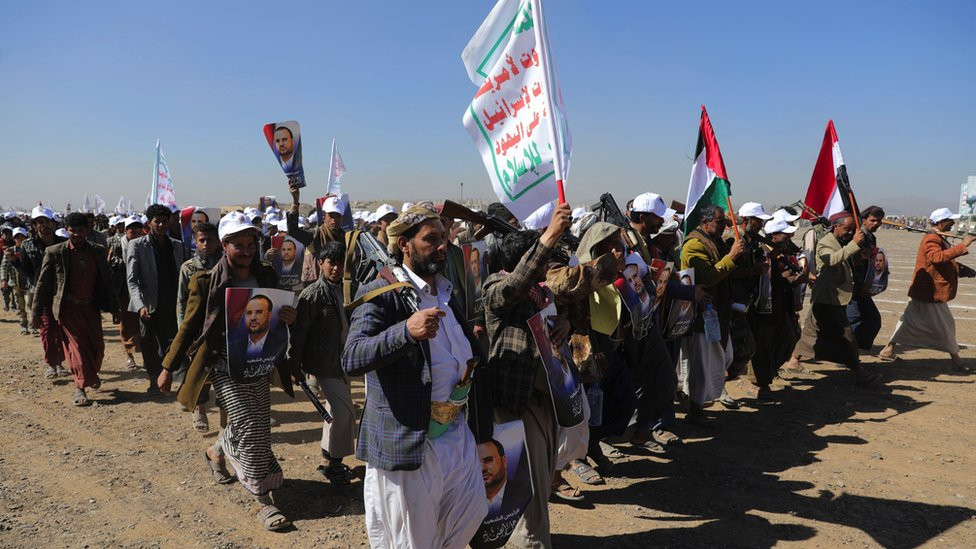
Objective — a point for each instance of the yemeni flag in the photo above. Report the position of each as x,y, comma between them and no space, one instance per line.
709,182
829,190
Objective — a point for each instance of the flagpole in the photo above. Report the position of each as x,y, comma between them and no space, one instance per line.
735,224
540,38
155,178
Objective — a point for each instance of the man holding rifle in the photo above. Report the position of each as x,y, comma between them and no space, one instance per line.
927,322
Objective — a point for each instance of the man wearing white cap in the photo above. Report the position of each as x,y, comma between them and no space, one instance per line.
927,322
383,216
647,214
128,320
14,277
246,441
745,288
775,332
34,248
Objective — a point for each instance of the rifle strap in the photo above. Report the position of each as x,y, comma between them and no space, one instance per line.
369,296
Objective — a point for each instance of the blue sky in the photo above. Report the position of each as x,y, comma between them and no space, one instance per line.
87,87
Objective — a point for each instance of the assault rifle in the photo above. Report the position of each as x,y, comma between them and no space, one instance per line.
498,226
376,263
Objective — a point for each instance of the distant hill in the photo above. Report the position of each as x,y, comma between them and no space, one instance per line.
908,205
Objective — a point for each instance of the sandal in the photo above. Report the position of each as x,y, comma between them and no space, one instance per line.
219,471
273,519
200,422
610,451
889,358
80,398
586,474
566,492
664,437
340,474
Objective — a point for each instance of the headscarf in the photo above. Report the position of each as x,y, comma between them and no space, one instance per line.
411,217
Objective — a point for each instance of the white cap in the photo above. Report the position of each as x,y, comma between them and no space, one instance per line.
144,219
334,204
313,218
636,259
942,214
406,206
383,211
114,220
20,231
371,218
649,203
754,209
132,220
41,211
540,218
774,226
233,223
579,212
63,233
282,225
272,218
785,215
271,210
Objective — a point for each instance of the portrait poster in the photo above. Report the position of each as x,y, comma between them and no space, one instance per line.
257,339
561,370
637,292
508,483
876,276
680,313
475,271
191,217
285,141
660,273
265,202
288,261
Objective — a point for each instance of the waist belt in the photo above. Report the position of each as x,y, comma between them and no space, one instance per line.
444,413
77,301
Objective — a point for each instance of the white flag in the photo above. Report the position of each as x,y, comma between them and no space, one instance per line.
86,205
337,168
162,185
99,205
516,117
120,207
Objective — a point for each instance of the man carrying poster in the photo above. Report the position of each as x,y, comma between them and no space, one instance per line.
285,140
259,339
246,440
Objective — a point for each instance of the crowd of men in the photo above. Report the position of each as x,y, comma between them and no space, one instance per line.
439,377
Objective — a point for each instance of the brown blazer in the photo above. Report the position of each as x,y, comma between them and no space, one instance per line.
936,271
55,273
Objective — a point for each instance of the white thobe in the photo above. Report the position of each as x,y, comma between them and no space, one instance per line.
441,504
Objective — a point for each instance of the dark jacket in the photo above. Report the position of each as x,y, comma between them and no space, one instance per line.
54,278
316,337
393,429
34,248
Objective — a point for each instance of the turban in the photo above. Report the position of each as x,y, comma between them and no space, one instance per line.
834,219
411,217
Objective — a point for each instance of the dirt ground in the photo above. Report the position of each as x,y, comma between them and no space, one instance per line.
829,465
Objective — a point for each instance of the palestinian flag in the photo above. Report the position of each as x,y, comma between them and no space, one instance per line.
829,186
709,182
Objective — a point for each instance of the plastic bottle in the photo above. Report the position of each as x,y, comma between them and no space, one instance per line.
713,330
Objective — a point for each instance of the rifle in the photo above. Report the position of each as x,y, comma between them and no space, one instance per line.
498,226
917,230
376,263
610,212
777,252
315,401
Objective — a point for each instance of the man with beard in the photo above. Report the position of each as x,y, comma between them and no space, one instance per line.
207,253
714,261
827,334
422,473
42,221
246,440
285,145
74,285
152,264
927,322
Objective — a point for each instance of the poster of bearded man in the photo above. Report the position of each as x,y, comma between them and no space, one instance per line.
285,141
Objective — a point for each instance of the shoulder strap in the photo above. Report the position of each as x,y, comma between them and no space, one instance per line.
369,296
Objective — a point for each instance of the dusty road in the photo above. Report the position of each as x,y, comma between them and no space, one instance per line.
829,465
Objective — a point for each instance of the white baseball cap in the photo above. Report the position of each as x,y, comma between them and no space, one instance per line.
540,218
649,203
383,211
63,233
282,225
334,204
406,206
233,223
20,231
579,212
754,209
132,220
785,215
272,218
778,226
942,214
41,211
